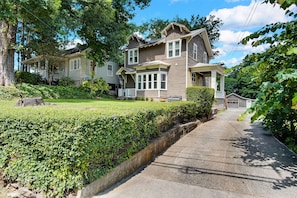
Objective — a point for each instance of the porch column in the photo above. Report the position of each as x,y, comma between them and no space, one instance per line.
222,84
213,81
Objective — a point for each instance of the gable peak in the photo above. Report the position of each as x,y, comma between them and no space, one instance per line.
172,26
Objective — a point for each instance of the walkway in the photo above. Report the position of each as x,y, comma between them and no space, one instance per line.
220,158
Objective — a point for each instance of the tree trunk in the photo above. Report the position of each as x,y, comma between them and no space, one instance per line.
7,40
93,72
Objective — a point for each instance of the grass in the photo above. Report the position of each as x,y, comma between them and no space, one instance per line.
104,107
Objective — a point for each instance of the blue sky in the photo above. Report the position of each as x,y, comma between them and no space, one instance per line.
240,18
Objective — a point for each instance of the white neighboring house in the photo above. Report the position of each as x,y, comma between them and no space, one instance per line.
75,65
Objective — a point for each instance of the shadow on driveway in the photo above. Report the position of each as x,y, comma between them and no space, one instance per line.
262,149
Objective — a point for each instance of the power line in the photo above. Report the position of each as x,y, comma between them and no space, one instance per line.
247,22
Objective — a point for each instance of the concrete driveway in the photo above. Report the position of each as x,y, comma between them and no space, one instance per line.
220,158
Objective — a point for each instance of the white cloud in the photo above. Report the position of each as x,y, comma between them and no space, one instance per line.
233,61
239,22
228,36
255,15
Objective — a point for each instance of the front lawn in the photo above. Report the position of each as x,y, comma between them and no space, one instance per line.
75,107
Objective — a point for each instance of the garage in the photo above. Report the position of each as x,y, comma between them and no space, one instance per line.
236,101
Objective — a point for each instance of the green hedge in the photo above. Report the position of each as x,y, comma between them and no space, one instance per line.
45,91
58,153
27,77
204,98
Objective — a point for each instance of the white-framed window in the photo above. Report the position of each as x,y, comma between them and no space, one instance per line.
174,48
193,77
109,70
152,81
195,51
133,56
205,57
139,81
163,81
75,64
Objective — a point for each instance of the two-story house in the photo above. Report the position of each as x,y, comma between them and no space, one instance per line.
74,64
165,67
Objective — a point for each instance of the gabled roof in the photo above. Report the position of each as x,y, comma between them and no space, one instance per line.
137,37
151,43
238,96
171,26
203,33
125,70
189,35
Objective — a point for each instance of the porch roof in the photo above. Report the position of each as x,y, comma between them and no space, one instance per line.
126,71
152,65
206,67
41,57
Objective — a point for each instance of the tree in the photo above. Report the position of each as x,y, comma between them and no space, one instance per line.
101,24
34,16
277,75
240,79
153,28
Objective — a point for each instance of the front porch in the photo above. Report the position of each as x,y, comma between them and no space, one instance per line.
211,75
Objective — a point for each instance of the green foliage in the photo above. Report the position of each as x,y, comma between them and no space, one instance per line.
66,81
275,73
98,87
204,98
44,91
241,79
57,150
27,77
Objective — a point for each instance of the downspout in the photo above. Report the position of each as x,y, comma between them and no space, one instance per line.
158,82
187,59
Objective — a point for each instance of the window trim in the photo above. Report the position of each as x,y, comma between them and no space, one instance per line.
205,57
72,61
133,56
173,48
195,51
109,72
193,77
143,81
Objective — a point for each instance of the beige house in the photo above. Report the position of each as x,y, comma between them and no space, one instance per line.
73,64
165,67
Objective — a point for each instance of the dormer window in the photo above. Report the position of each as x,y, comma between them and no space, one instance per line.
174,48
133,56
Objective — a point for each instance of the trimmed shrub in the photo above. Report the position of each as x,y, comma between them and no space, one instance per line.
66,81
203,96
27,77
45,91
98,88
56,152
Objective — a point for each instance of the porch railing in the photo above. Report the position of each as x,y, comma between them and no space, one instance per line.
130,93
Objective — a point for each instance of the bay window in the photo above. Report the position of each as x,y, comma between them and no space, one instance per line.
152,81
